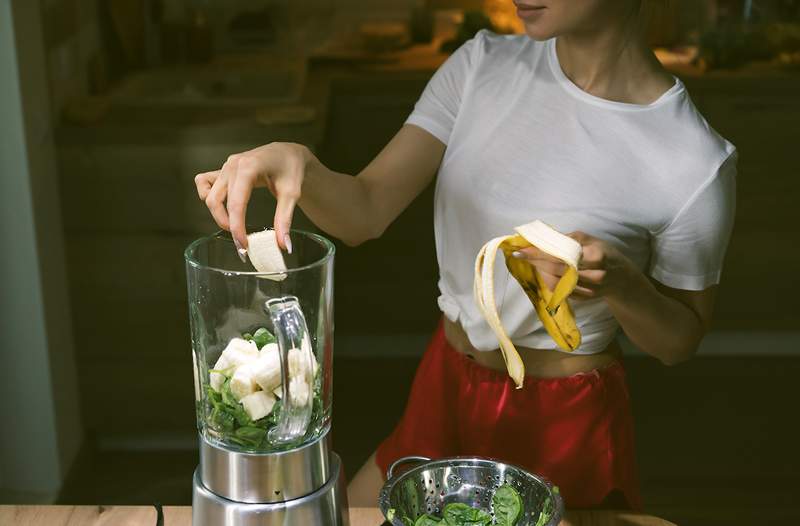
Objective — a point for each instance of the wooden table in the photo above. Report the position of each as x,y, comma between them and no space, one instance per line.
182,516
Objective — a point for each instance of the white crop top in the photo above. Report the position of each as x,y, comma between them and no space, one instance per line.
524,143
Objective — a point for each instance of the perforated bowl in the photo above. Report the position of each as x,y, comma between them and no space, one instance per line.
432,484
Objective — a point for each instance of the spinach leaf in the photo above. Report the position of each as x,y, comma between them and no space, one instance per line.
507,505
427,520
262,337
250,434
459,514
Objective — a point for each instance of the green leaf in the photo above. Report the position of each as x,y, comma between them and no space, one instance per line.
252,435
459,514
546,513
262,337
247,336
227,395
507,505
428,520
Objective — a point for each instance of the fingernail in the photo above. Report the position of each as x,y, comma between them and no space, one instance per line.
241,251
288,242
517,254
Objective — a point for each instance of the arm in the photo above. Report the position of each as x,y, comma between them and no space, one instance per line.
375,197
664,322
353,209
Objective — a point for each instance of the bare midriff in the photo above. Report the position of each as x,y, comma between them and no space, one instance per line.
540,363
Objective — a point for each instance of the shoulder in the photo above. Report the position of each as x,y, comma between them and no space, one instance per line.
696,148
488,49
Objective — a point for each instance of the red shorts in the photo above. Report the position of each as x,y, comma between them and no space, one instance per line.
576,431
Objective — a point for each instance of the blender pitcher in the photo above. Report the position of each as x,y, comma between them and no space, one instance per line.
262,348
263,339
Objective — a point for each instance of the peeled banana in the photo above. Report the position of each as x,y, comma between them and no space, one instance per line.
265,254
243,383
238,352
266,370
258,404
551,306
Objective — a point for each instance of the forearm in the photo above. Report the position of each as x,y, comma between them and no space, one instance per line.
657,324
337,203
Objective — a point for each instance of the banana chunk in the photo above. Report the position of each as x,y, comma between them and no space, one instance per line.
268,348
258,404
266,370
298,363
551,306
243,383
299,391
265,254
238,352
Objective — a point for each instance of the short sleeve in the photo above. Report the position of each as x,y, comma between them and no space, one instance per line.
689,252
437,108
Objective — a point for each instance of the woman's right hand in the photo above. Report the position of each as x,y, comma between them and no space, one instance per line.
278,166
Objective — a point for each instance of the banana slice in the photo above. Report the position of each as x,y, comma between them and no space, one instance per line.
551,306
258,405
238,352
265,254
266,370
299,391
243,383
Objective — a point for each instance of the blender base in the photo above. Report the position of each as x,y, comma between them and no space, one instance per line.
325,507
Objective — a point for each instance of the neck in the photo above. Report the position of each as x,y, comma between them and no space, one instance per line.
607,62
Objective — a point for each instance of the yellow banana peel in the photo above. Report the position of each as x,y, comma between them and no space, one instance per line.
551,305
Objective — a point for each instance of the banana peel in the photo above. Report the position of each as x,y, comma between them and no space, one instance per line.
551,306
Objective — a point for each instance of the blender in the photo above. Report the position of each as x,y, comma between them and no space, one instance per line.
262,349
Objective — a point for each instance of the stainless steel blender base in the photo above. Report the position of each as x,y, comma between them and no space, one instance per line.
325,507
268,477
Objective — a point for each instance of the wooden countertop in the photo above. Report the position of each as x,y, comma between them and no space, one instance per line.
182,516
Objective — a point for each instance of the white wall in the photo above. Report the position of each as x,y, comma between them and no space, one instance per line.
40,432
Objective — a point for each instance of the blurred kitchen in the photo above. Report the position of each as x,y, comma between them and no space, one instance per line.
110,108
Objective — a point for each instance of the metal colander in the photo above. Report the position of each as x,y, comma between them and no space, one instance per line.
433,484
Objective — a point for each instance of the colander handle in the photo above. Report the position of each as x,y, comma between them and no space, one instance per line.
404,460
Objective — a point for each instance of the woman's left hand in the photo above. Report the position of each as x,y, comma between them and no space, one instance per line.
603,270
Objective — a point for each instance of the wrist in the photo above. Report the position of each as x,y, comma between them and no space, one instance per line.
309,162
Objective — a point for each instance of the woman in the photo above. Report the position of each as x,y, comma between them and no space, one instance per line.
576,124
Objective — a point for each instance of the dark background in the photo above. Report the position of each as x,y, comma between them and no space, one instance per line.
134,117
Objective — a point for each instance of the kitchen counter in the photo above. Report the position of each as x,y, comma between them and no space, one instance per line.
182,516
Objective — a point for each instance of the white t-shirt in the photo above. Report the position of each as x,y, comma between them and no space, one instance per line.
524,143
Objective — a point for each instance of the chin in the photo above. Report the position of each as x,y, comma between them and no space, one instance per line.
540,31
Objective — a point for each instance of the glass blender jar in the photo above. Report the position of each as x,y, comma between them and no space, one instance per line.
262,349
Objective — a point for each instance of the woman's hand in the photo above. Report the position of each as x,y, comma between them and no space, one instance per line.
278,166
602,272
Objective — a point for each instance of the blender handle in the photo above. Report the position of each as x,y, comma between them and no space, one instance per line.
291,332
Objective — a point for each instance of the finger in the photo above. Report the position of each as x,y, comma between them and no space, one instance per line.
581,237
554,268
283,221
583,293
533,254
593,257
239,191
591,278
215,201
203,182
550,280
